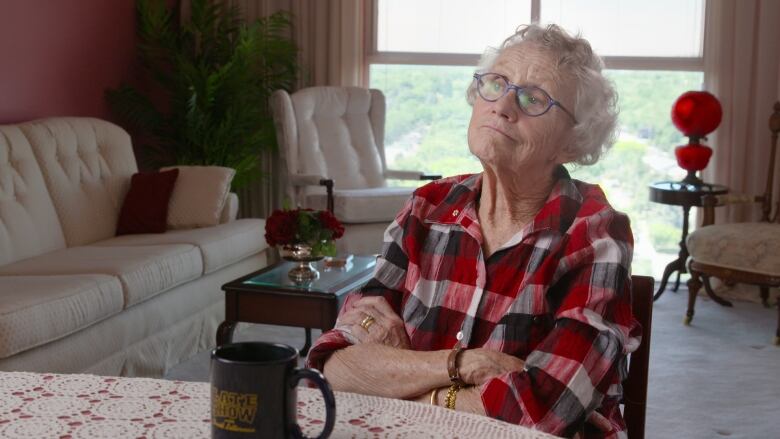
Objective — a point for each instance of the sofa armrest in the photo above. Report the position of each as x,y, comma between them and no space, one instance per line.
710,202
230,210
307,180
409,175
315,180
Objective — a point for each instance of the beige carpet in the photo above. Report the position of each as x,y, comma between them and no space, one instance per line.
716,378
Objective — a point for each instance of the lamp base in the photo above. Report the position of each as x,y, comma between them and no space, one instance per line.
691,178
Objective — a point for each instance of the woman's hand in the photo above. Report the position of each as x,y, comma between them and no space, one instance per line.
477,366
387,327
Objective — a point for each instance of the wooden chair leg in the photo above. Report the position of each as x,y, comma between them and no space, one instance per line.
765,296
777,332
711,292
694,285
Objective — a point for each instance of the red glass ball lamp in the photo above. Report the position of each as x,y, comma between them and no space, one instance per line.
696,114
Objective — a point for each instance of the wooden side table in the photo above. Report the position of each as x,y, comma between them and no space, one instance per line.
269,296
687,195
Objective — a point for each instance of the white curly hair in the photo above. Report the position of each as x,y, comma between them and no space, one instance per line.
595,106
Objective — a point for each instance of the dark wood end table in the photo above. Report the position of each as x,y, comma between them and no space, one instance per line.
269,296
687,195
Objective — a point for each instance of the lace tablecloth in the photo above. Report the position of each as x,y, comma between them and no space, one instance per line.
34,405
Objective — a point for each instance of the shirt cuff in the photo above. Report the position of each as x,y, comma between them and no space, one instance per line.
328,343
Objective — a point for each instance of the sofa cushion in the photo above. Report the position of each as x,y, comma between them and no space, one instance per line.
144,271
28,221
199,196
220,245
35,310
87,164
145,208
751,247
364,205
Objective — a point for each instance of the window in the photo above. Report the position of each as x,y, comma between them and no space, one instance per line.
422,57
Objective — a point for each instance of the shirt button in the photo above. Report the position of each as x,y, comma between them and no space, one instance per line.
459,335
455,212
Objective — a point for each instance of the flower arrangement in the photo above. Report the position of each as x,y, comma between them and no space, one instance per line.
317,228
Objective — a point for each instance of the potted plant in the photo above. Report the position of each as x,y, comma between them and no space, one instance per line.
212,76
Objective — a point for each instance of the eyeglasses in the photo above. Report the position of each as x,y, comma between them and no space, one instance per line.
532,100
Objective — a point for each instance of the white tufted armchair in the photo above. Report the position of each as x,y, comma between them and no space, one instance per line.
740,252
331,143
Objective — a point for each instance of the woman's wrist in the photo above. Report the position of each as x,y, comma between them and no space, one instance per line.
467,399
436,366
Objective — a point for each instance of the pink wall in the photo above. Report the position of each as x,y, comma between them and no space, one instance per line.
58,57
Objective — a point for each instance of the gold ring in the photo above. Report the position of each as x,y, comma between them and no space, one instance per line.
367,321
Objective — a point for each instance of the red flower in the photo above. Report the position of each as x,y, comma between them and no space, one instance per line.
301,225
331,223
281,226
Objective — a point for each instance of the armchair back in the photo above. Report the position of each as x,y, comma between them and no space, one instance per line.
332,132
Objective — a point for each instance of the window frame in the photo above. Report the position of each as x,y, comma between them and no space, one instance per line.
374,56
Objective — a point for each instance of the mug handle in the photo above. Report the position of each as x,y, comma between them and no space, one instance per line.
327,396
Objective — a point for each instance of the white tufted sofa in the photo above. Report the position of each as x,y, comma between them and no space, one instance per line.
74,298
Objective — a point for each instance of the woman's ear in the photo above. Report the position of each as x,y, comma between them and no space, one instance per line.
568,153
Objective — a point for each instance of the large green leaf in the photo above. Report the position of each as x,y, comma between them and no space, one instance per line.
214,75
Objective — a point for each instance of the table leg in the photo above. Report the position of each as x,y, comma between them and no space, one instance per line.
225,332
671,268
677,282
710,292
307,345
678,264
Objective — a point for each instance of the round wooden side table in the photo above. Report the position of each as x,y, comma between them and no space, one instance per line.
687,195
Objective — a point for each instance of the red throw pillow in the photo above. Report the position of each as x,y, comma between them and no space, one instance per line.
145,209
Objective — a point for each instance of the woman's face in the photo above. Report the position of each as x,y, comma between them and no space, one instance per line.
502,136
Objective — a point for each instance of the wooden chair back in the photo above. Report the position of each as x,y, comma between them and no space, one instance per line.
766,200
635,386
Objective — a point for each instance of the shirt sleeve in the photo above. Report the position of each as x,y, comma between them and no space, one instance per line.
388,281
582,359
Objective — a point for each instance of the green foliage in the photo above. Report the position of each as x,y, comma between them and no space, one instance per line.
645,100
664,236
312,231
215,75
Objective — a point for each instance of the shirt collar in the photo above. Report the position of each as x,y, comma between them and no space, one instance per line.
558,212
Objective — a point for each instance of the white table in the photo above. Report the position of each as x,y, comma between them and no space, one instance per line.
35,405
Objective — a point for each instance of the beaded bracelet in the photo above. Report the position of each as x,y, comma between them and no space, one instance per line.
452,394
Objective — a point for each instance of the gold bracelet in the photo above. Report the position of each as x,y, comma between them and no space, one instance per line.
452,394
434,400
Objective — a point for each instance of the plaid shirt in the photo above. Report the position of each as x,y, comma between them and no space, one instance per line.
555,295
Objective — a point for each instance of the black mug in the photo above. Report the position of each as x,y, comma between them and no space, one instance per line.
253,392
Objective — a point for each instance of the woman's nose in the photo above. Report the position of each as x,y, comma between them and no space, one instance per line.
506,106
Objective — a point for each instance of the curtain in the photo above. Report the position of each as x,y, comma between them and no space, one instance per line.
742,64
330,37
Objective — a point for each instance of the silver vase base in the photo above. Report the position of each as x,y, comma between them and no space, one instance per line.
303,272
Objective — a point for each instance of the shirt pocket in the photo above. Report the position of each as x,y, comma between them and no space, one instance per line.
437,249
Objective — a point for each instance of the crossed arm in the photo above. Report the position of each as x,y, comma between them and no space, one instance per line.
381,361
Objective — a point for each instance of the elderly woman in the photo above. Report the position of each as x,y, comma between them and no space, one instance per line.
506,293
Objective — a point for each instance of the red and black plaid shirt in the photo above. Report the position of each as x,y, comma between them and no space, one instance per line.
556,295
